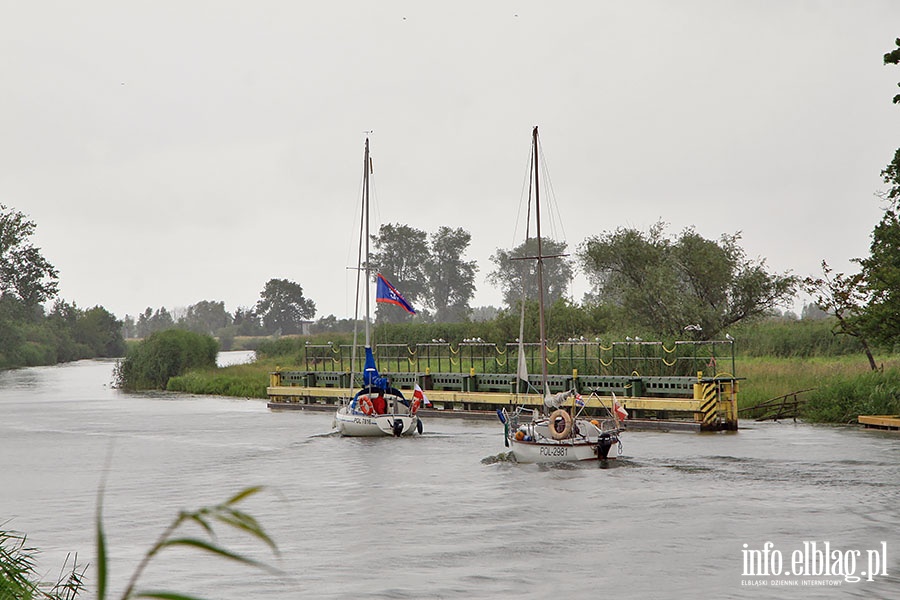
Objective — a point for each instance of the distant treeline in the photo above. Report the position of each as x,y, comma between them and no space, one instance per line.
31,337
282,309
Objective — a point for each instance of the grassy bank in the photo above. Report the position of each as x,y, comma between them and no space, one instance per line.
246,380
839,388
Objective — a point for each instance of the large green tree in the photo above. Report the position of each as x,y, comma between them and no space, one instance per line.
24,272
451,279
668,284
516,272
283,307
880,318
400,253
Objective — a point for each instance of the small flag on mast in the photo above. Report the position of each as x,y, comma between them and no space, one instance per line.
418,394
621,413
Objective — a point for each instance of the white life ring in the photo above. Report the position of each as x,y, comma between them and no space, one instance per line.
567,427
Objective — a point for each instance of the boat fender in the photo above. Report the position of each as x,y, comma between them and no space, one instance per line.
366,407
398,427
603,446
520,435
560,424
419,426
415,406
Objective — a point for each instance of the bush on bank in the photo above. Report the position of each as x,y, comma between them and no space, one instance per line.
165,354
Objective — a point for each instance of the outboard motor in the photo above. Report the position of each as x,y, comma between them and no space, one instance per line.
603,446
398,428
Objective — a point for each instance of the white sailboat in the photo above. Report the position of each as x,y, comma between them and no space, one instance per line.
563,435
378,409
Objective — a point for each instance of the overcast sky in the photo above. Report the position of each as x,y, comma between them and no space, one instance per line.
173,152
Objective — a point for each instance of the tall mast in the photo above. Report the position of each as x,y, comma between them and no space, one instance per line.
367,167
540,262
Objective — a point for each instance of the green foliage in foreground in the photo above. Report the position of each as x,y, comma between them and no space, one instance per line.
225,513
19,578
166,354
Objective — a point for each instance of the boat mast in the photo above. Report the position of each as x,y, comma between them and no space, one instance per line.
540,263
367,167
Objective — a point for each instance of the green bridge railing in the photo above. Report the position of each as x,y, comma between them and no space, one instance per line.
678,359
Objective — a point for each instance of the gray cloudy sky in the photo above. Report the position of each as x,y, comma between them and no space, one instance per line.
173,152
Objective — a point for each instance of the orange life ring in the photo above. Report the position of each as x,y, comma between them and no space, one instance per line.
560,434
366,407
415,406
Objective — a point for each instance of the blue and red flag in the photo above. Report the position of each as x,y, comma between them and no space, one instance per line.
389,294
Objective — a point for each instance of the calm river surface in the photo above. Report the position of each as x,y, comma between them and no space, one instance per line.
428,517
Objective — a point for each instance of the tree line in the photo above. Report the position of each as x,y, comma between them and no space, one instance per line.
29,333
640,280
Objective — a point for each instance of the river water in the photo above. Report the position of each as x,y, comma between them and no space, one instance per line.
682,515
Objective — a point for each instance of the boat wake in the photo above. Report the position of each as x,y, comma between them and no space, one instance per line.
332,433
503,457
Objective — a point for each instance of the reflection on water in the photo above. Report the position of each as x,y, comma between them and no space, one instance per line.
443,515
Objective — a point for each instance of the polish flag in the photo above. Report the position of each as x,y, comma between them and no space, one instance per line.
420,395
621,413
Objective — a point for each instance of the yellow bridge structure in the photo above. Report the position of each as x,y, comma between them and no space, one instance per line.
699,403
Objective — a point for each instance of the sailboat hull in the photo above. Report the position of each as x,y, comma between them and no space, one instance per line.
555,452
351,424
533,443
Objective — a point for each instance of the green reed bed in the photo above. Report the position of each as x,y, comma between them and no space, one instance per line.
842,400
839,388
